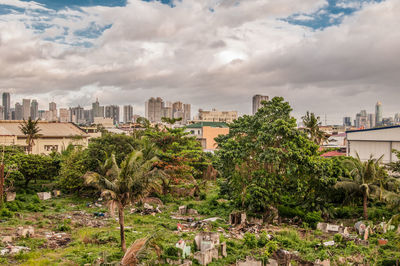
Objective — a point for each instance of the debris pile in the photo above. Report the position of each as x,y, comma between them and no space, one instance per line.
209,247
25,232
184,210
56,240
44,195
11,250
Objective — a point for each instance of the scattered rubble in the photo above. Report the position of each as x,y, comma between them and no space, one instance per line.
25,232
322,263
12,250
56,240
209,248
185,249
56,193
237,218
250,262
44,195
10,196
183,210
7,239
382,242
333,228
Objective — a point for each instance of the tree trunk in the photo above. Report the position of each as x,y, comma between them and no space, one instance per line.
121,226
365,198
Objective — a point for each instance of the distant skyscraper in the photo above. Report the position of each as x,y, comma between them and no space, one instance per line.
34,110
378,114
347,121
6,105
371,120
98,111
257,99
26,108
153,109
1,113
112,111
186,111
128,113
362,119
19,114
77,115
64,115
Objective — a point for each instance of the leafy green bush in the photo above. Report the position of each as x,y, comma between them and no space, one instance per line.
250,240
312,218
263,239
6,213
290,212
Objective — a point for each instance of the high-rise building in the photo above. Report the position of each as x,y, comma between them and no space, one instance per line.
76,115
1,113
98,111
112,111
371,120
34,110
128,113
257,99
6,105
26,108
347,121
64,117
19,113
362,119
153,109
378,114
186,111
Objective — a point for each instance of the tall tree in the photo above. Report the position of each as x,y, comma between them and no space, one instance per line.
31,130
134,179
363,176
311,124
265,159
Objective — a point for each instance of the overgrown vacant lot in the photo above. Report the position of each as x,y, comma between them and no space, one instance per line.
68,232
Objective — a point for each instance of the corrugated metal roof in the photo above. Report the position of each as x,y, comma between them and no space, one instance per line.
47,129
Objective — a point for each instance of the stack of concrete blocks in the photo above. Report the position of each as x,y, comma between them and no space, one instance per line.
237,218
44,195
209,247
10,196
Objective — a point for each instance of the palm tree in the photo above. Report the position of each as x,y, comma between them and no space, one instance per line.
135,179
311,123
31,130
364,175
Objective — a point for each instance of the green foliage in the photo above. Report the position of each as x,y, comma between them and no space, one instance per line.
171,252
73,167
311,124
250,240
312,218
6,213
265,158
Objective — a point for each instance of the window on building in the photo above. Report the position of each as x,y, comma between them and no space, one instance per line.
51,147
191,131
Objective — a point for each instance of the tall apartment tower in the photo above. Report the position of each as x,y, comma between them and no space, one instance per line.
378,114
347,121
26,108
34,110
53,111
187,114
98,111
64,117
153,109
257,99
128,113
19,113
1,113
6,106
112,111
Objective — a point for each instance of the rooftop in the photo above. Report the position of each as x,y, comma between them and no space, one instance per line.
47,129
208,124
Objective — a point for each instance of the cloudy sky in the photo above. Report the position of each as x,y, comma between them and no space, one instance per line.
330,57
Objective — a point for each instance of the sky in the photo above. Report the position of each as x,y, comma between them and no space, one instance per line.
330,57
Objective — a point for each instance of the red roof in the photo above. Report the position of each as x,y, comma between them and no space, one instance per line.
333,153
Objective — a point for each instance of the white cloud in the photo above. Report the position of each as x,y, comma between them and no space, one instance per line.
210,59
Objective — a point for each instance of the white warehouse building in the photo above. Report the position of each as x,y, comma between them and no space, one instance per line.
375,142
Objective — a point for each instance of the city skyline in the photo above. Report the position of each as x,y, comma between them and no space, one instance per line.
328,57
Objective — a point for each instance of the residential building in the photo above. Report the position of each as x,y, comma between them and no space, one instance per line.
112,111
26,108
64,117
6,105
362,119
216,116
104,121
206,132
53,136
371,120
347,121
77,115
19,115
1,112
34,110
53,111
378,114
257,99
98,111
128,113
153,109
375,141
186,113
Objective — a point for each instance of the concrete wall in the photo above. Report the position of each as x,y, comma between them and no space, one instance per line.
210,133
45,145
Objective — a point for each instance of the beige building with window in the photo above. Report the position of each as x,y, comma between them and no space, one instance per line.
54,136
206,132
216,116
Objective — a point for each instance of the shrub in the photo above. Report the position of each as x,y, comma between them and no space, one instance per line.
6,213
290,212
338,238
263,239
171,252
312,218
250,240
